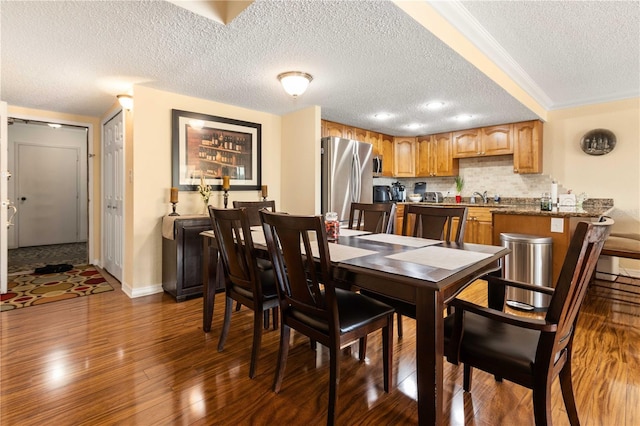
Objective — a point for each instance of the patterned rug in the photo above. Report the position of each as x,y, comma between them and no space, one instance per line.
36,289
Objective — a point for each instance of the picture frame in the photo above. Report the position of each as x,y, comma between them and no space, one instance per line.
214,147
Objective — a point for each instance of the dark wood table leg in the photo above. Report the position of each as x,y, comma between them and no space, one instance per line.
209,269
429,356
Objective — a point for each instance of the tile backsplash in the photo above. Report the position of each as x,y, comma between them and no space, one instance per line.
492,174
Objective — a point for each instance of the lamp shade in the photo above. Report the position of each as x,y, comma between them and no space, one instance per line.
295,82
126,101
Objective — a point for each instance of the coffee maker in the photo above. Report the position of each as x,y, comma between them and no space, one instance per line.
398,192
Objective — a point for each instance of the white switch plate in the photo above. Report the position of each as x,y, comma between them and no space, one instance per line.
557,224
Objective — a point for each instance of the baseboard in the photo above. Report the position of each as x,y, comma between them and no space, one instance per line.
141,291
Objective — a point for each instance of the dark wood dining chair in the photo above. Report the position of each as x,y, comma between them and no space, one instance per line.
253,208
249,285
435,222
444,223
529,352
371,217
312,304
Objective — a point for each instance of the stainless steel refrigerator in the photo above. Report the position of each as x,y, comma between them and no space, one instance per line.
347,175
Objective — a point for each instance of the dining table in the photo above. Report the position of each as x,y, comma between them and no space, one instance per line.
423,272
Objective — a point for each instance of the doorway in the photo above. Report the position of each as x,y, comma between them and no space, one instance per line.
50,190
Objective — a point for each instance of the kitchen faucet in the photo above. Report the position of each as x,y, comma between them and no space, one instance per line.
483,196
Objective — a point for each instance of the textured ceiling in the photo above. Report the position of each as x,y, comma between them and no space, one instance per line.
366,57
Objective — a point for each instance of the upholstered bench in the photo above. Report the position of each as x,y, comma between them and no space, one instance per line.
622,245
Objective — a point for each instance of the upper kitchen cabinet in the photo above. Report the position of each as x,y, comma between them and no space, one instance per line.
486,141
374,139
527,150
404,163
385,149
329,128
434,156
466,143
360,135
497,140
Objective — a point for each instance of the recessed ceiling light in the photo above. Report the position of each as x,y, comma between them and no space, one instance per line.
382,115
54,125
435,105
414,125
463,117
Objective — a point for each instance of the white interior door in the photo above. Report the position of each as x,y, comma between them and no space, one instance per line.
48,183
4,197
113,194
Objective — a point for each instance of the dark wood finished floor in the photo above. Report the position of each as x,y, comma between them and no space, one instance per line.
108,359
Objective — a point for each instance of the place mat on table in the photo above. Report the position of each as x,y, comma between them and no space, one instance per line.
440,257
340,252
346,232
400,240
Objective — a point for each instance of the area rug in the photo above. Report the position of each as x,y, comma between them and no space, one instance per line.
37,289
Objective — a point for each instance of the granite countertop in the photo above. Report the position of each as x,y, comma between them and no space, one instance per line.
531,207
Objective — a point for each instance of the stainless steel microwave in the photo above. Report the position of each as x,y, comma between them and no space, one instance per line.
377,165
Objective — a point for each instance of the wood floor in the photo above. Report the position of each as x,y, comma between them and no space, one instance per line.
108,359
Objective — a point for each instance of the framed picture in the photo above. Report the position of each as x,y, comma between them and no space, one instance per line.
213,147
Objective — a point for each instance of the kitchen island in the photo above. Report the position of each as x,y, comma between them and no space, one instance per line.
486,221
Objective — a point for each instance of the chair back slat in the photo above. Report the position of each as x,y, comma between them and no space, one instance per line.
302,283
434,222
233,235
371,217
253,207
576,273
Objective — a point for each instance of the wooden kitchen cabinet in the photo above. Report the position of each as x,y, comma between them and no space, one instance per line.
404,163
434,156
527,150
386,150
497,140
374,139
329,128
479,226
466,143
182,258
484,141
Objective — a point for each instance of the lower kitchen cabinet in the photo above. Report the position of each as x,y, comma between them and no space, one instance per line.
182,257
479,226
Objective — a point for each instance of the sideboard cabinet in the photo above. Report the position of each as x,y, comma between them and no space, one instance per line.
182,257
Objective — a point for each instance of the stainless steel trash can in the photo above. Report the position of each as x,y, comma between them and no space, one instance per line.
529,262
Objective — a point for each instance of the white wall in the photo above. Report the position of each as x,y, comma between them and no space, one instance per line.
46,136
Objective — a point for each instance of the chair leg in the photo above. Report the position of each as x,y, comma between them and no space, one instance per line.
228,305
467,373
257,338
400,326
275,312
334,379
266,319
387,350
566,386
283,352
362,350
541,402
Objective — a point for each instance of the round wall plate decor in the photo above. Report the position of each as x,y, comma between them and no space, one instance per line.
598,142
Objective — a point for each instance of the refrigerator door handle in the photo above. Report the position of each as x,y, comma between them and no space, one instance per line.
355,178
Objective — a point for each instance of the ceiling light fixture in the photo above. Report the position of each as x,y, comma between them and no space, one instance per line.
54,125
464,117
126,101
414,125
295,82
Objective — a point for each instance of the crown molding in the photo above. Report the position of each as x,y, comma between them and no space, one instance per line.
458,16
